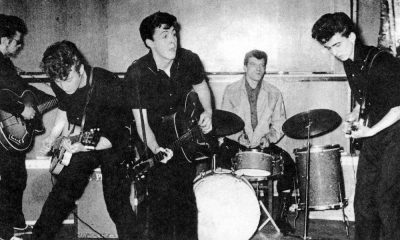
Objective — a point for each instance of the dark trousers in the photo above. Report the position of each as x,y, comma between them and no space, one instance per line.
70,186
172,205
377,197
230,148
13,176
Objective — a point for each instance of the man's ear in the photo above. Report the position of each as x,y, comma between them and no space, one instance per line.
81,69
244,68
352,37
149,43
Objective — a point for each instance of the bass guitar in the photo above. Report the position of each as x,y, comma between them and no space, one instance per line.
61,157
184,135
16,134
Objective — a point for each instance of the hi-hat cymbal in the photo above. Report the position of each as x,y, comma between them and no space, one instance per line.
226,123
320,122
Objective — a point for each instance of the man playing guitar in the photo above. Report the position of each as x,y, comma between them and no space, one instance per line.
375,74
13,173
91,98
157,82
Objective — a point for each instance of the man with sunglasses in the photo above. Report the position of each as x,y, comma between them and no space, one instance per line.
13,174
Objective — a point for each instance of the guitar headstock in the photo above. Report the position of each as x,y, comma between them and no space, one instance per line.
91,137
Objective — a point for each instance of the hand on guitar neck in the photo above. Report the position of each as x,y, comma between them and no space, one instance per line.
167,153
357,127
28,112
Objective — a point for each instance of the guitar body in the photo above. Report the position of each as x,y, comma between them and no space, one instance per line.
16,134
61,158
184,123
364,117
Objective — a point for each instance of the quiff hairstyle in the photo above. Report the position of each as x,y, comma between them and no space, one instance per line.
330,24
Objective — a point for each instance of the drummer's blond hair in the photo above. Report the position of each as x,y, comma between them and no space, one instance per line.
257,54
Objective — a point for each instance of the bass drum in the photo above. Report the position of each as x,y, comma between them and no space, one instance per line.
227,206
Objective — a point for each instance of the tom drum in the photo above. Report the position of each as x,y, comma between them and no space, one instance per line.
253,163
326,189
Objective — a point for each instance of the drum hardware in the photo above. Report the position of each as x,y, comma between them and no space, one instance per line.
306,125
260,188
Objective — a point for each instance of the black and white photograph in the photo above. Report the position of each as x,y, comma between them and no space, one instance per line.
199,119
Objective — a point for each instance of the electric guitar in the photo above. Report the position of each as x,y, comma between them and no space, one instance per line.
61,157
363,116
184,135
16,134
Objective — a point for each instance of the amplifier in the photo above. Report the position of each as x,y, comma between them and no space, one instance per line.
92,210
39,185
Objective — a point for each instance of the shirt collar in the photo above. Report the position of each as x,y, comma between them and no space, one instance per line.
249,88
360,53
152,66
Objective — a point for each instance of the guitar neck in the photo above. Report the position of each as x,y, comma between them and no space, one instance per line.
176,144
47,105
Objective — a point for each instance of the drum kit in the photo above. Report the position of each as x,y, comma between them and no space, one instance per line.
229,205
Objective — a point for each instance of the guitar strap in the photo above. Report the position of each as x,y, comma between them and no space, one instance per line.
368,61
141,116
88,96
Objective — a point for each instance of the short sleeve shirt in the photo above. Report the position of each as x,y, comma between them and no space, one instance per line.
160,94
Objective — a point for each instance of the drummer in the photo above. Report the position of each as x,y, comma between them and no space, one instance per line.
261,107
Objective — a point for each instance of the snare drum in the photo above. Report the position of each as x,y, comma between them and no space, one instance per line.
253,163
227,206
326,189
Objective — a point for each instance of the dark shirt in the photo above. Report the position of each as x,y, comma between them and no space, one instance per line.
160,94
252,94
381,81
9,79
106,109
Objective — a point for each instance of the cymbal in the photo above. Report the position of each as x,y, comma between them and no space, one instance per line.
226,123
320,121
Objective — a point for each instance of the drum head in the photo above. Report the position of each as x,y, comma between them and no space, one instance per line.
252,172
227,208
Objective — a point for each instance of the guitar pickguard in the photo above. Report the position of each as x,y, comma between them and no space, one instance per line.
16,133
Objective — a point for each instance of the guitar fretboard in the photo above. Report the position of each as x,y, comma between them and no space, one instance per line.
47,105
178,143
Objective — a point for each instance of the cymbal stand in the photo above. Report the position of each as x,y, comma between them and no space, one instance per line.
213,163
306,212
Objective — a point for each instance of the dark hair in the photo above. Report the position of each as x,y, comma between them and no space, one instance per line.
330,24
257,54
9,25
59,58
156,20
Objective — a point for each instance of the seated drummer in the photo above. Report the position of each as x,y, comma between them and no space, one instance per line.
261,107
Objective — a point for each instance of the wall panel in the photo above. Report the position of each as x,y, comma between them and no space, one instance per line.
221,32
